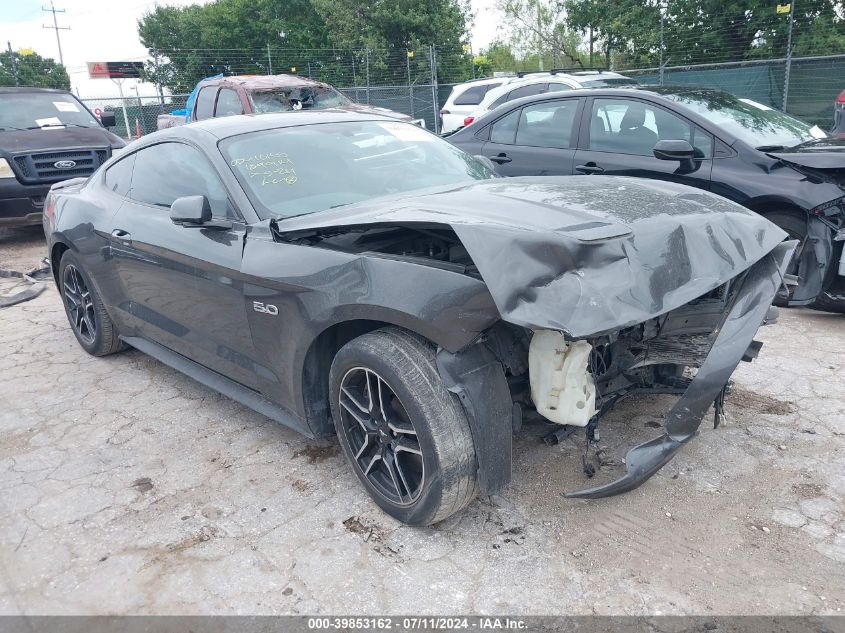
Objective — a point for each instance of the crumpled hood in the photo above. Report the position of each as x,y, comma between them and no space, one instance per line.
581,255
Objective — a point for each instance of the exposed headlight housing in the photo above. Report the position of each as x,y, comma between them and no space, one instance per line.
6,169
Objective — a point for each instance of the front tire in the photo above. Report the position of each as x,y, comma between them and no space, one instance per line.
88,319
405,435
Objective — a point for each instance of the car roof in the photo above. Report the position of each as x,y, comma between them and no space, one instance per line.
25,89
263,82
224,127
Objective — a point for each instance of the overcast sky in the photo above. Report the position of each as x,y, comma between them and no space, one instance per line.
103,30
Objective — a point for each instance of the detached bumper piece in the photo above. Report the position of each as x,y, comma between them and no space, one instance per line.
748,310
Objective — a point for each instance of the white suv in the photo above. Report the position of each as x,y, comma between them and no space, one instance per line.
538,83
464,98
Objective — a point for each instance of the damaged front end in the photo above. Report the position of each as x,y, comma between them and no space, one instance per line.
604,288
711,334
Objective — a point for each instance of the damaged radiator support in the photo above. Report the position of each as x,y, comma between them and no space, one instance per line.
749,308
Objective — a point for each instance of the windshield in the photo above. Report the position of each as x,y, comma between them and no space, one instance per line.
754,123
42,109
296,98
608,82
306,169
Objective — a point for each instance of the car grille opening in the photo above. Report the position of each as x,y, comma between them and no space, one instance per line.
42,166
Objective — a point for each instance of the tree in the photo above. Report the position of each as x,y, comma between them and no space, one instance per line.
629,28
32,70
227,36
233,37
539,27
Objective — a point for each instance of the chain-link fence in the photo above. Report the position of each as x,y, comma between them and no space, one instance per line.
418,82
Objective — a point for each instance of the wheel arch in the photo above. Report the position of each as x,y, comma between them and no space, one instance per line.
56,251
766,205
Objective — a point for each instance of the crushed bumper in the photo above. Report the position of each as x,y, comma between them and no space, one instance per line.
747,311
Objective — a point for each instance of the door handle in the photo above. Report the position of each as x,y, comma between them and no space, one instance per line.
589,168
123,236
501,158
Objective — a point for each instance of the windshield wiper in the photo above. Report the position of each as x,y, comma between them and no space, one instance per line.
770,148
12,127
39,127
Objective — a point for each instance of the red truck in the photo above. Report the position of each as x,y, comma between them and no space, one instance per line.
260,94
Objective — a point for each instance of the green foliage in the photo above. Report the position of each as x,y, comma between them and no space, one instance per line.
32,70
232,37
482,65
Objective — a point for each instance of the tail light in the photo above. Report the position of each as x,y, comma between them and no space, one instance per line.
841,97
468,120
442,112
50,207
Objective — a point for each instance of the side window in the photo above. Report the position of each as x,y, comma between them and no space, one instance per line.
633,127
547,124
525,91
228,103
474,94
168,171
119,176
556,87
504,129
702,143
205,103
505,97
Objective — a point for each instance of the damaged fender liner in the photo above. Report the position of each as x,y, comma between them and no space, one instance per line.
476,376
749,308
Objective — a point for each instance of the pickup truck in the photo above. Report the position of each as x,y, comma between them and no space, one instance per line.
260,94
46,136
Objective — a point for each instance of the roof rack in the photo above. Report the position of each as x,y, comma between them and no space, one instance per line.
576,69
523,73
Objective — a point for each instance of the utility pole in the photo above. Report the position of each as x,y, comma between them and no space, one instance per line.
14,64
56,27
269,60
788,66
660,7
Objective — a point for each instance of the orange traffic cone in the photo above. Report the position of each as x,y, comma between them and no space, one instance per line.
137,129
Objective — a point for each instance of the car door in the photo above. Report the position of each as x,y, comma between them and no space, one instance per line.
535,140
618,136
182,285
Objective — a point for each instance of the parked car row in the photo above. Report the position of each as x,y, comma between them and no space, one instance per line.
790,172
470,100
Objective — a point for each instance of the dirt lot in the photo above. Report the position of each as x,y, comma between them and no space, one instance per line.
126,487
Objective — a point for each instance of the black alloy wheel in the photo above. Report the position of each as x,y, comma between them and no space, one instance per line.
381,436
79,304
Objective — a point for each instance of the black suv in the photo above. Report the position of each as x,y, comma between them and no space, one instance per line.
45,136
786,170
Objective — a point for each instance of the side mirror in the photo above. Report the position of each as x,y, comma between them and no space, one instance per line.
485,161
674,150
107,119
194,210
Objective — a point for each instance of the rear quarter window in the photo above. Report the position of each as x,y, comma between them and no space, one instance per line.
474,94
118,177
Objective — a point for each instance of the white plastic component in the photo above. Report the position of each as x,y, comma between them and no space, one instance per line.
562,389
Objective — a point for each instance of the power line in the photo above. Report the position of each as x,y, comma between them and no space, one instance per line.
56,27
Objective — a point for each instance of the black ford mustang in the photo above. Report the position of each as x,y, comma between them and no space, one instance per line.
349,273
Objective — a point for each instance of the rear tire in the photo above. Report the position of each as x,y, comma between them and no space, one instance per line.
88,319
430,471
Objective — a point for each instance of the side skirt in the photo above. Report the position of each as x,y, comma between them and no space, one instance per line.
220,383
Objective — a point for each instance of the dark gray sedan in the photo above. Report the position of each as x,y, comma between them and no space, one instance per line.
784,169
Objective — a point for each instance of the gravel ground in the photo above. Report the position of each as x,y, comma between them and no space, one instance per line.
128,488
